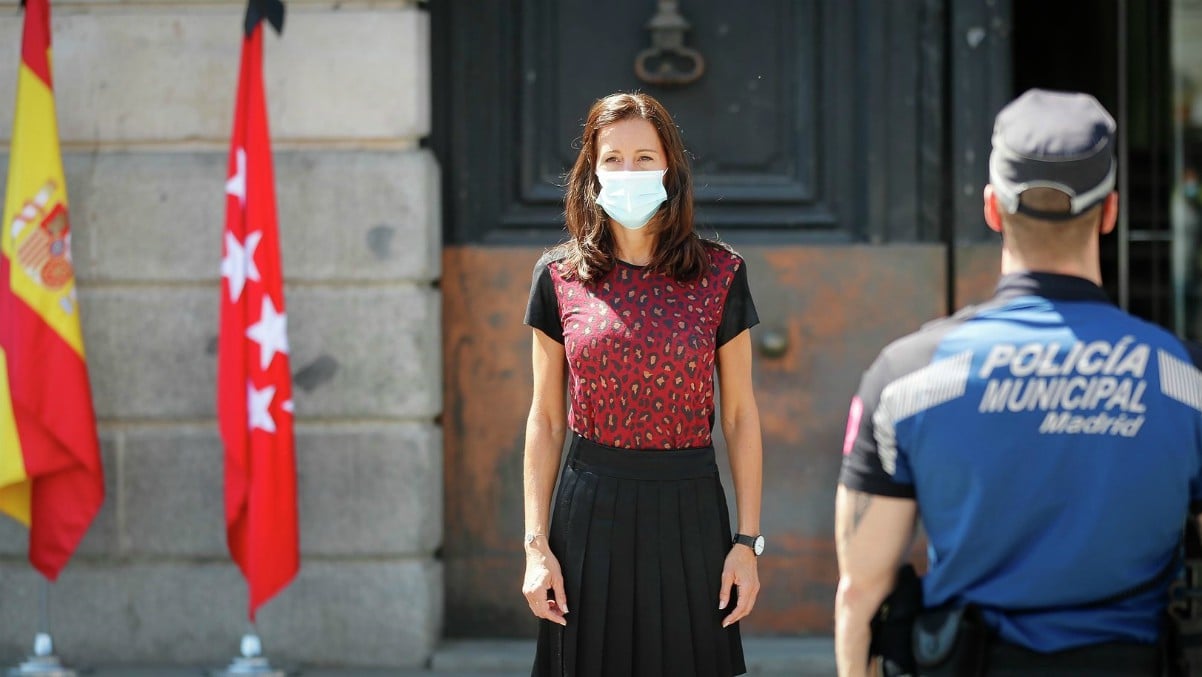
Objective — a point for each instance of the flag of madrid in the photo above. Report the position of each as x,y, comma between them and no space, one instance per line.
254,385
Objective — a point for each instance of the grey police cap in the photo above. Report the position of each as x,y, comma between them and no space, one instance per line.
1061,140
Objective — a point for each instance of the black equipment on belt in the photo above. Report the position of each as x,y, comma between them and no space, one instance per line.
953,640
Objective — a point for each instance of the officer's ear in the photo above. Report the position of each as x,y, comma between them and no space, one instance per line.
1110,213
993,218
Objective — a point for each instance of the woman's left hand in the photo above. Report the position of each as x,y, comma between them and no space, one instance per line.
741,571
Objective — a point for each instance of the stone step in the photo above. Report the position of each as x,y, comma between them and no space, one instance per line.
766,657
798,656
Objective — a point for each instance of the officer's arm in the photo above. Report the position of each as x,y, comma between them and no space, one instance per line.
872,535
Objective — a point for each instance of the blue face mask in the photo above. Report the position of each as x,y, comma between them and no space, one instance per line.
632,198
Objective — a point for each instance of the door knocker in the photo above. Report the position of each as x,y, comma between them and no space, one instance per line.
668,62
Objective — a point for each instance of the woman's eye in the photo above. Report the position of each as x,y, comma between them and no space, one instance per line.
611,159
645,158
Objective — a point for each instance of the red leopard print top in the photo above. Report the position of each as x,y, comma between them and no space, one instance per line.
640,347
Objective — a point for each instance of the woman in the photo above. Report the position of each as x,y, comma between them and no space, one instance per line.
638,575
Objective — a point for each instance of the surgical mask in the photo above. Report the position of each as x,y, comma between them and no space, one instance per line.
1190,189
632,198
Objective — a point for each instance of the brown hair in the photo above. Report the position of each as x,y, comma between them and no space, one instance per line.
678,252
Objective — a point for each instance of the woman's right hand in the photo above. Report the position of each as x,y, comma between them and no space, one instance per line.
543,574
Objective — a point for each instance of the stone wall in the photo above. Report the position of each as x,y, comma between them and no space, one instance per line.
145,104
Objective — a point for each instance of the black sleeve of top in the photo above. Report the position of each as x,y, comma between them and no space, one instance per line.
739,312
542,311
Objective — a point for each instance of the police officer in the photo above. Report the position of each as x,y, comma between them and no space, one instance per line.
1049,443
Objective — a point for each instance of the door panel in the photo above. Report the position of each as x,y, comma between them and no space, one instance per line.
766,124
488,384
755,120
837,306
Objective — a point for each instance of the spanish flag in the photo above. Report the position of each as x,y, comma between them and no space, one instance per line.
51,478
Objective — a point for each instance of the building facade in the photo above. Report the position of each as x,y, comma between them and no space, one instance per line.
145,95
840,146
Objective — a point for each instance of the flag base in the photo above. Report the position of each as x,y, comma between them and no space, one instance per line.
252,662
244,667
41,666
43,662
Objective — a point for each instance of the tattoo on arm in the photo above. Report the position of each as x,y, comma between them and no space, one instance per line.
862,502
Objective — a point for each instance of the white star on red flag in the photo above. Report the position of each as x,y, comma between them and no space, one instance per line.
270,332
258,403
238,266
236,185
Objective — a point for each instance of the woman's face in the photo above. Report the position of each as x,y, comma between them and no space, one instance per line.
630,145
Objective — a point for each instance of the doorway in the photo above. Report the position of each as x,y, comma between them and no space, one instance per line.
1119,51
821,152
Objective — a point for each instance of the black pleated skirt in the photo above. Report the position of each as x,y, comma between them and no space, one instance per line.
641,537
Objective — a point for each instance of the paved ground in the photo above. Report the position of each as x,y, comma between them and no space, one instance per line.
796,657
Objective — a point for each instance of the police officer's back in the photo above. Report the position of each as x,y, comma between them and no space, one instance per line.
1050,443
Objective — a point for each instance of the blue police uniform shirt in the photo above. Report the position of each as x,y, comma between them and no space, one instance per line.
1053,444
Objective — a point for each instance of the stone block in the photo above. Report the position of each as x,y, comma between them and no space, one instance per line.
103,537
359,215
366,351
149,351
174,495
377,613
170,75
355,351
130,613
343,215
371,490
358,614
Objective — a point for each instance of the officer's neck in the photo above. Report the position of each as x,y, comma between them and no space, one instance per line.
1084,266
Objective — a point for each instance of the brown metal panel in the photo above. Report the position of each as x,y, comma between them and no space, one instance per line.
835,306
487,385
978,267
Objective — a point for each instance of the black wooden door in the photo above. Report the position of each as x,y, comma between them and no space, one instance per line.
820,147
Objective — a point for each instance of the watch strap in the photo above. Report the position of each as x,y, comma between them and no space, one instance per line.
744,539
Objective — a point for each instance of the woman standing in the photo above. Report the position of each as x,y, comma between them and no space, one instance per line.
638,574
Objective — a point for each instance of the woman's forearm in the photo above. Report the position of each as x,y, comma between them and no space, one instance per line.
544,445
745,448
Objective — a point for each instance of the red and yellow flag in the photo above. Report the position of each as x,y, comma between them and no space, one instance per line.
51,478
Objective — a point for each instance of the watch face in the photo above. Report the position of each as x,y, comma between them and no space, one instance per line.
759,546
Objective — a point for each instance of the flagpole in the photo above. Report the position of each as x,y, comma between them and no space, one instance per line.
43,662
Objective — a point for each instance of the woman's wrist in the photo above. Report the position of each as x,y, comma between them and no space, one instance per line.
534,541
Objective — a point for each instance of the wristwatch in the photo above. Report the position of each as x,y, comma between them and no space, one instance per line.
756,543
